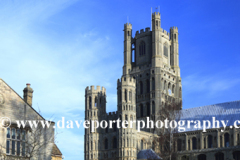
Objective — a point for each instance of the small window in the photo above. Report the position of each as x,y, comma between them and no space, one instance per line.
153,84
18,148
96,99
8,147
23,148
125,95
210,141
18,134
13,147
130,96
142,48
8,132
90,102
165,50
194,143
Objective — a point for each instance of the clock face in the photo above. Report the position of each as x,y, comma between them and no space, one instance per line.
1,99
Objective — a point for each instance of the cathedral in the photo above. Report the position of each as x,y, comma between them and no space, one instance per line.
150,81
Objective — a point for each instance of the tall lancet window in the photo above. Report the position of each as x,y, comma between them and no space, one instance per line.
130,95
90,102
165,50
125,95
96,101
142,48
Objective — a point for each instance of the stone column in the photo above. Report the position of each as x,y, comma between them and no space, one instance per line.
234,137
186,141
201,140
206,141
218,139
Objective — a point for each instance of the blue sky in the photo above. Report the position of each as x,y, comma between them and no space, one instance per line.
62,46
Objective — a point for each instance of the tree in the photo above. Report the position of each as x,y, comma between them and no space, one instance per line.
166,142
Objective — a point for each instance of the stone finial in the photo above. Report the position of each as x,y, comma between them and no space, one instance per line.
28,94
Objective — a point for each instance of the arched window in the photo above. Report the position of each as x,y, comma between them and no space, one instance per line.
153,107
153,84
148,109
125,95
130,96
141,87
210,141
236,155
179,145
141,144
90,102
202,157
194,143
173,88
148,86
165,50
114,142
106,143
165,85
169,89
96,101
141,110
219,156
226,140
142,48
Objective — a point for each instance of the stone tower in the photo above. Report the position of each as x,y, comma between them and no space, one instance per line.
150,80
95,107
155,66
127,112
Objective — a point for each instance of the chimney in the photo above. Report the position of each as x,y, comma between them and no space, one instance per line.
28,94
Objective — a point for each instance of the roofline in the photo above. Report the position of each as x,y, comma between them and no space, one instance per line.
211,105
23,100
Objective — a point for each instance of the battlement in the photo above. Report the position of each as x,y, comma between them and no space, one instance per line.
128,25
155,14
173,28
112,113
165,32
126,81
92,89
147,29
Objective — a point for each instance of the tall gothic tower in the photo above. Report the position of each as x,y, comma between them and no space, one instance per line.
150,80
152,58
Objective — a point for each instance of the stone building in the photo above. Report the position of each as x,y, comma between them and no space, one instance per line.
18,143
150,81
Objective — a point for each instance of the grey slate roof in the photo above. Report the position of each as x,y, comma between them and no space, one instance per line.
147,153
224,111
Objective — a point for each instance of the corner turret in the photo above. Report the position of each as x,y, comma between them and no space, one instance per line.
127,48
